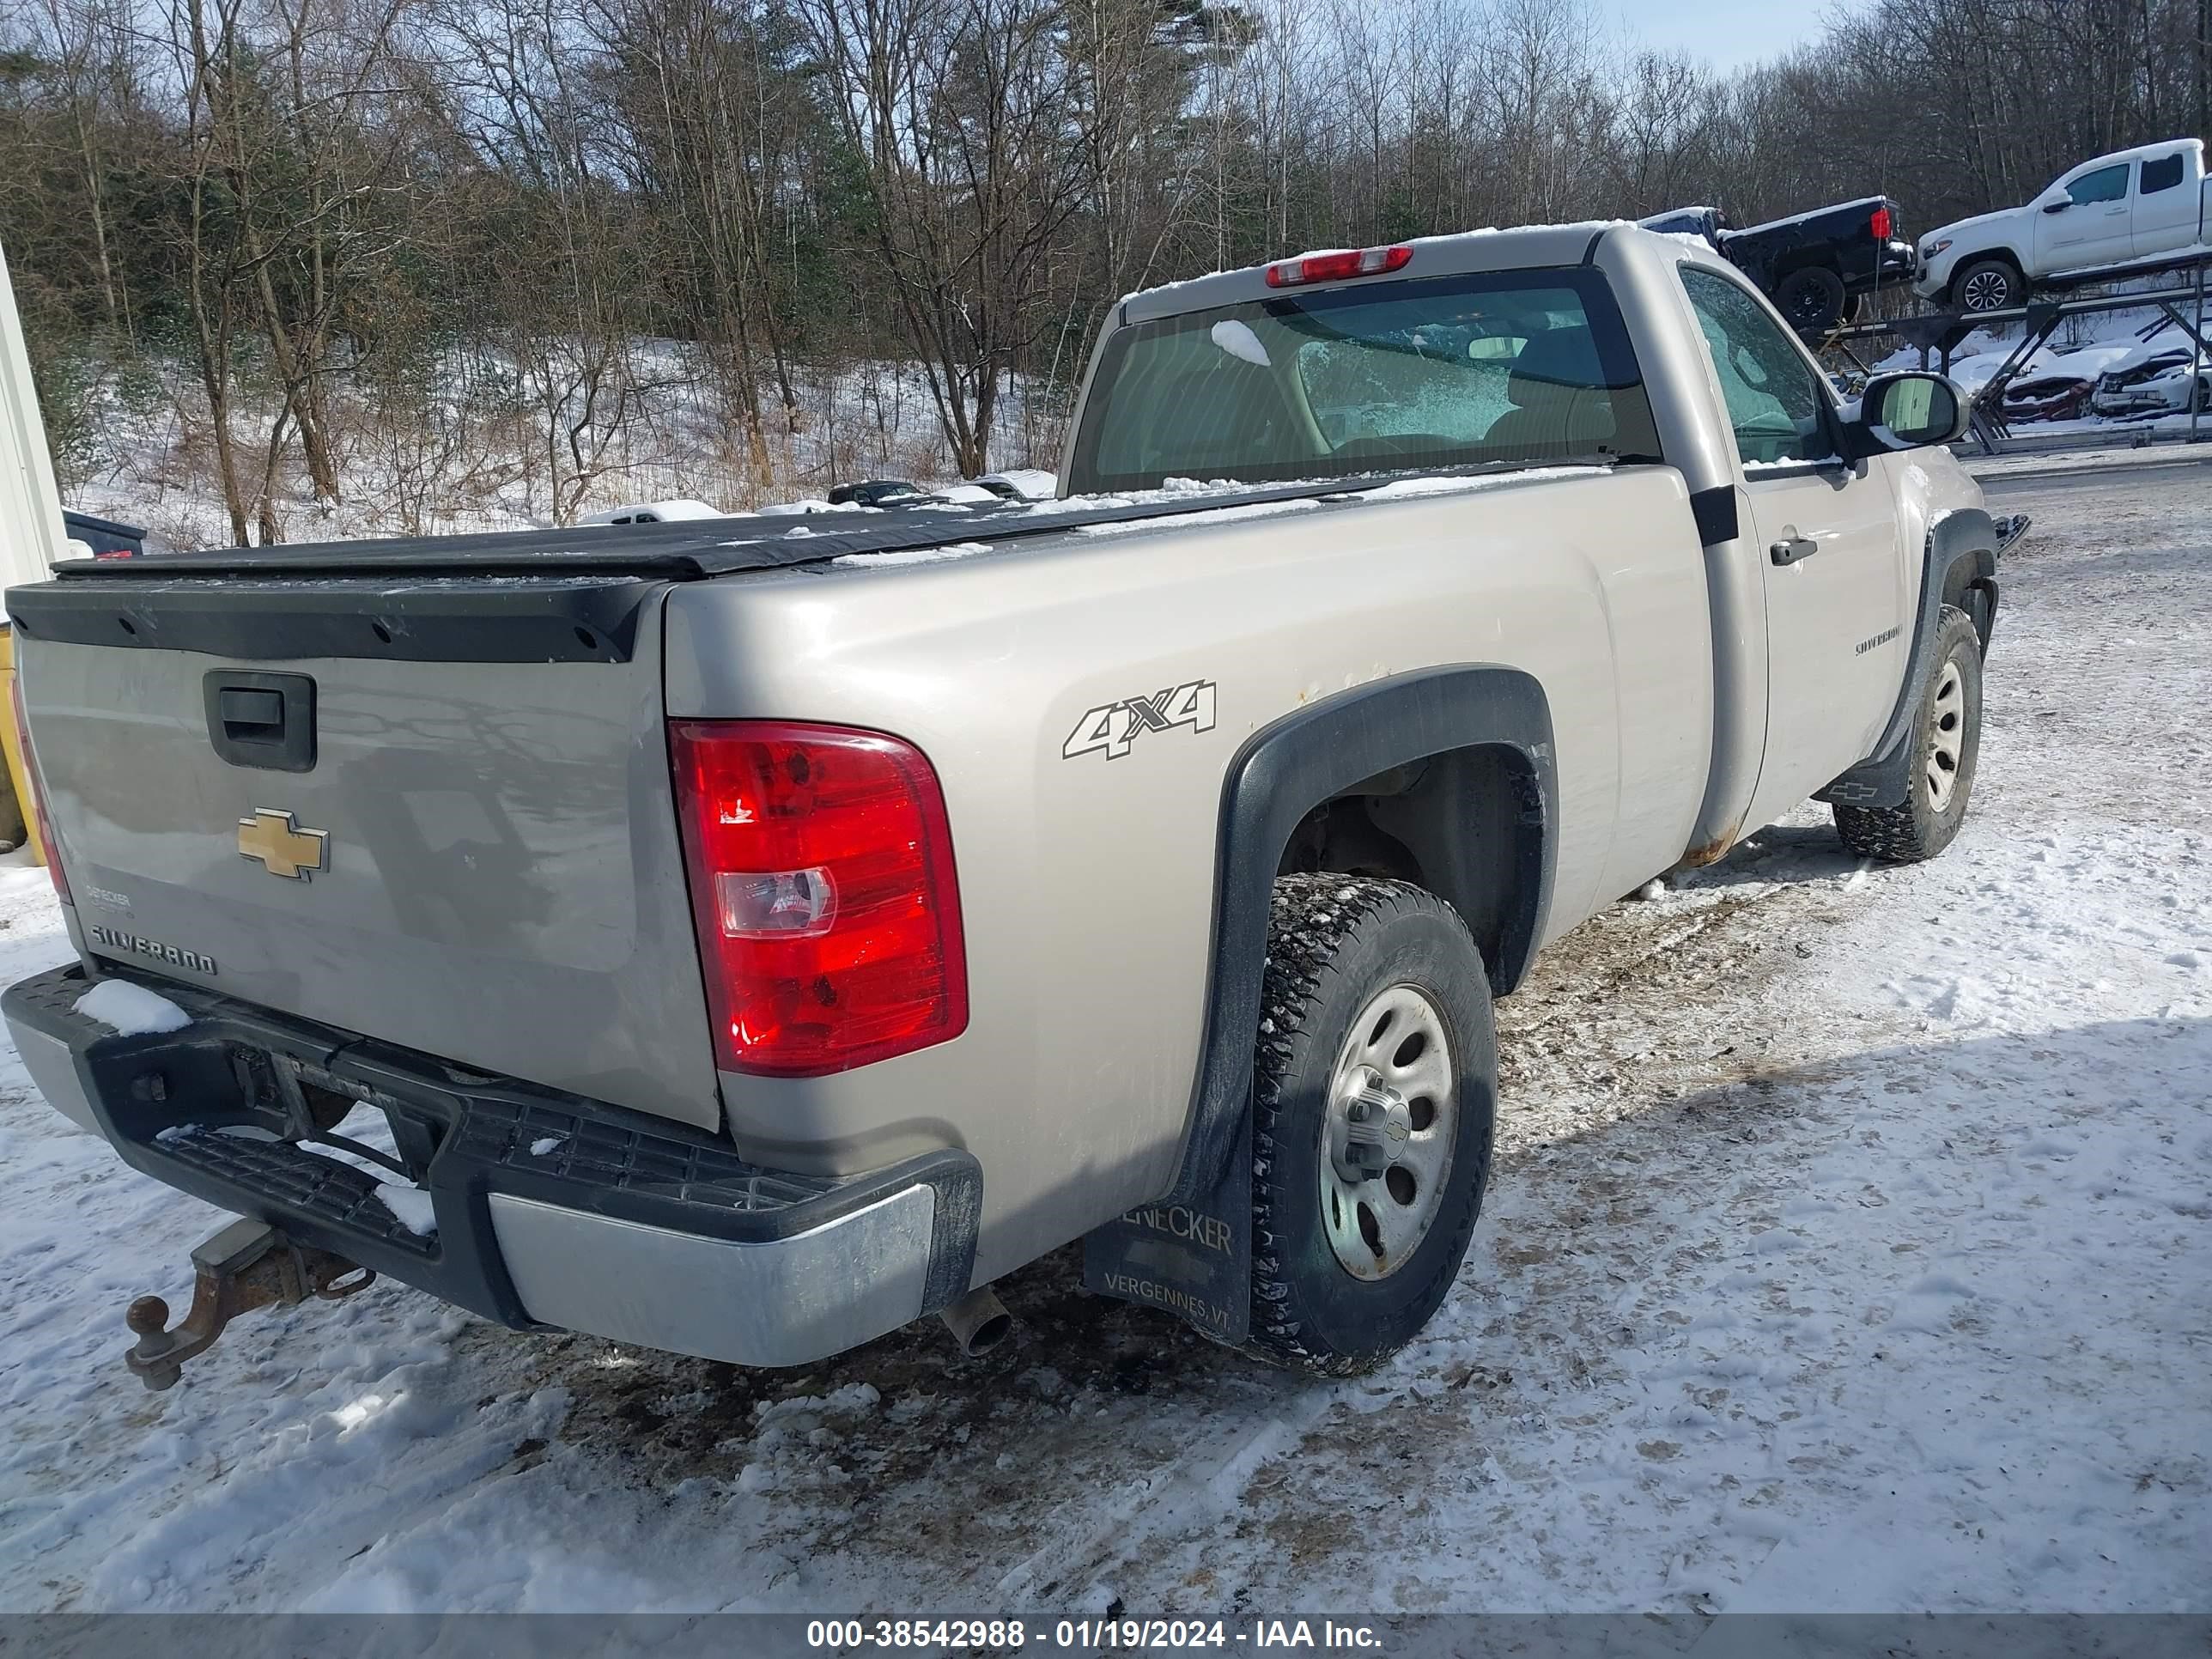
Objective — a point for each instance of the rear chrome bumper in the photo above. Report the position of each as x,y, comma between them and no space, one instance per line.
550,1210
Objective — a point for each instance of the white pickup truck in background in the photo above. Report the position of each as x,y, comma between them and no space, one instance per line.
2146,206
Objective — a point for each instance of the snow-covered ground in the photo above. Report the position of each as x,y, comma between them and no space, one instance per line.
1851,1249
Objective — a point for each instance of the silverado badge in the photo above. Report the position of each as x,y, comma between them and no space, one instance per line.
283,847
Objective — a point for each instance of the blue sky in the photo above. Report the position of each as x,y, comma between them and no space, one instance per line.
1729,32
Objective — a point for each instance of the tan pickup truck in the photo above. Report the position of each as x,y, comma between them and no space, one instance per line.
744,936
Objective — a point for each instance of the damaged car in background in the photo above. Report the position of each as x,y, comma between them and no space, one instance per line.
2160,381
2049,397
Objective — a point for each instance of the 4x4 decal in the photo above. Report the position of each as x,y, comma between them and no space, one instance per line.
1113,726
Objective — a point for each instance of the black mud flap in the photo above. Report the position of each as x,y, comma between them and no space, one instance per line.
1191,1260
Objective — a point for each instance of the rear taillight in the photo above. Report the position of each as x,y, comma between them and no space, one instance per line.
1880,224
1334,267
822,889
36,806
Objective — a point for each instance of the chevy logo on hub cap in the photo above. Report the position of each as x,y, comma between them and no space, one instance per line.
283,847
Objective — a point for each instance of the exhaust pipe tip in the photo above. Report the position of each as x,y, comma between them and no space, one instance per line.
979,1321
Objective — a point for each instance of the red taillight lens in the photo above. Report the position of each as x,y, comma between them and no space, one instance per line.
824,892
1880,224
1334,267
37,805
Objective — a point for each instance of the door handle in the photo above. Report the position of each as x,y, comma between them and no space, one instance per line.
1795,547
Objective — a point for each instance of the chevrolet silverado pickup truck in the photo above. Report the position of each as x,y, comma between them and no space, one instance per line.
744,936
2136,210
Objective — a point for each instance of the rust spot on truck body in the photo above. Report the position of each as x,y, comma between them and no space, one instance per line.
1712,852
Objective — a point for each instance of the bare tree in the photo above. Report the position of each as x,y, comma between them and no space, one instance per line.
956,109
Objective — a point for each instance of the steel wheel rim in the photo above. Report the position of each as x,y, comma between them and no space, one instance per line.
1946,722
1985,291
1386,1136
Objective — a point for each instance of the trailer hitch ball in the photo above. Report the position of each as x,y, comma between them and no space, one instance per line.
248,1265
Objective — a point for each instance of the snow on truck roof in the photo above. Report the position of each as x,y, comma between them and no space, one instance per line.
2166,147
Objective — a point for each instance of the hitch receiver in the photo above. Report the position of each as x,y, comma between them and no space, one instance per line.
248,1265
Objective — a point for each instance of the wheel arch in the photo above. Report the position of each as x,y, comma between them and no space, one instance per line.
1482,734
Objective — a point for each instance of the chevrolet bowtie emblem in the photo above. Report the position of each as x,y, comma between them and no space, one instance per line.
282,846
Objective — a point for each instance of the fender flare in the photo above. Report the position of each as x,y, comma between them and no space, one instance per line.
1962,559
1282,772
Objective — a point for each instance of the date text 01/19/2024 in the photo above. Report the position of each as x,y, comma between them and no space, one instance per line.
1086,1635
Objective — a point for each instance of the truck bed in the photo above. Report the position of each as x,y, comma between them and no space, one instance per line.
563,595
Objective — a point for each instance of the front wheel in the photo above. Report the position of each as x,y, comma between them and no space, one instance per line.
1947,740
1374,1089
1989,285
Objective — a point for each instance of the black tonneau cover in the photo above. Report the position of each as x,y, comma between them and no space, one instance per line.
518,596
684,550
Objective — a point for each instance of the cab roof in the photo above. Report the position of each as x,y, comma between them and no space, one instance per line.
1529,247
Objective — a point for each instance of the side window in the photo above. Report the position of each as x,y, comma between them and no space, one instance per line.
2161,173
2104,185
1774,401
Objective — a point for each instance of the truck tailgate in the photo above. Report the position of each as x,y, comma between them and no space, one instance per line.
468,850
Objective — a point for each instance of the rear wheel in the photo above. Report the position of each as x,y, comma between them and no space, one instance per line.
1947,743
1373,1087
1810,299
1989,285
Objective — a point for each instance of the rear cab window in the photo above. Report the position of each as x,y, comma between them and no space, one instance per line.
1479,369
2161,173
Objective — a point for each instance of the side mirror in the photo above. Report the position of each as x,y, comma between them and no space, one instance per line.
2058,206
1907,411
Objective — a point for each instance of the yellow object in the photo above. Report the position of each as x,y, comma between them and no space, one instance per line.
31,533
283,847
17,775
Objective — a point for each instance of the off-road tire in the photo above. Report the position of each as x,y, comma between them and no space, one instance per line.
1919,829
1811,299
1976,289
1334,943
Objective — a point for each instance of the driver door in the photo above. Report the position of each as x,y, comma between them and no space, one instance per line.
2093,228
1826,535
